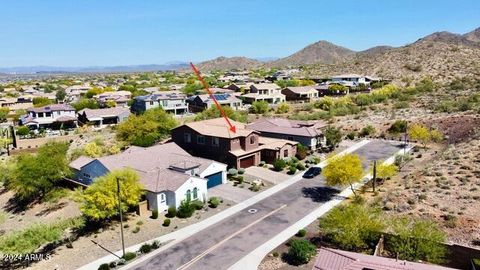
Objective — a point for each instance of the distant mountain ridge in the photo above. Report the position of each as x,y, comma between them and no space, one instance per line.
94,69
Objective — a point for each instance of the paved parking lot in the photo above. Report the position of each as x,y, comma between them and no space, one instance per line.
228,192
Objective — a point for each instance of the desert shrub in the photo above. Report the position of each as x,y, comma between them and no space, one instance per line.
213,202
104,266
23,131
254,187
351,135
136,230
302,233
401,105
300,166
166,222
241,171
292,169
186,209
145,248
300,251
154,213
262,163
232,172
171,212
399,126
155,244
197,204
279,164
129,256
367,131
302,152
446,106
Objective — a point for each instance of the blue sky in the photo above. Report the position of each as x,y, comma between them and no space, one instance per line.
104,32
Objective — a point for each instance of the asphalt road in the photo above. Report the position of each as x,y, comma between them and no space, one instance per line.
224,243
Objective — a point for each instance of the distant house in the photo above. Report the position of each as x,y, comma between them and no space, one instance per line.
212,139
74,92
305,93
353,80
171,101
307,133
334,259
103,117
121,98
52,116
199,103
168,174
16,103
268,92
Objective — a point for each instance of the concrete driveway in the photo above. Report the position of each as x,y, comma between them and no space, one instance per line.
265,174
228,192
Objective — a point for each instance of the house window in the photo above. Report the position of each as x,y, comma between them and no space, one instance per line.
163,198
187,137
151,103
40,114
86,175
252,140
215,141
195,193
188,195
200,139
48,114
285,153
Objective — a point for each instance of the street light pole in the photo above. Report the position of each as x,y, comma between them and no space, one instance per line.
120,212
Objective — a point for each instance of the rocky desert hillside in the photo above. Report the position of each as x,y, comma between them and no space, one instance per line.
441,55
319,52
229,63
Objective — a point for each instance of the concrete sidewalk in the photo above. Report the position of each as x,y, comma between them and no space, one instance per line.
183,233
253,259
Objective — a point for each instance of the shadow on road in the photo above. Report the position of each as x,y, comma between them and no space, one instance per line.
319,194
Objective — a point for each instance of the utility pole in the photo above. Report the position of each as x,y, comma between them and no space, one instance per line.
374,180
120,212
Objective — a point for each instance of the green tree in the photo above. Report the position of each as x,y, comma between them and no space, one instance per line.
343,170
145,129
36,175
93,150
213,112
353,226
23,131
259,107
41,101
337,88
283,108
4,111
60,94
333,136
99,201
415,240
84,103
279,164
186,209
301,251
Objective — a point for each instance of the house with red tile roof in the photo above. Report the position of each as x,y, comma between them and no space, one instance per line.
334,259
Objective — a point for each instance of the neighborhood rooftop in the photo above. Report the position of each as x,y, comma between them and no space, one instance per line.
218,127
286,126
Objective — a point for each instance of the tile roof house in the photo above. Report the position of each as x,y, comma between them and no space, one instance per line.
74,92
353,80
334,259
173,102
268,92
306,93
121,98
199,103
16,103
307,133
213,139
167,172
103,117
50,116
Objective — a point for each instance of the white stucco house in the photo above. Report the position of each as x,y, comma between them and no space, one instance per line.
168,173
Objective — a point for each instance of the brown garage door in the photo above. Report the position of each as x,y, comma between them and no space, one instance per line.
247,162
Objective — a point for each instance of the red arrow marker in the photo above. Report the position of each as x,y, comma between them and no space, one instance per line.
219,107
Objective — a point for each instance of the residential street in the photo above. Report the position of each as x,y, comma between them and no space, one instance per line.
224,243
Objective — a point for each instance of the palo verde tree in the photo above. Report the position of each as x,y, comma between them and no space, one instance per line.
353,226
100,200
385,171
415,240
333,136
343,170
